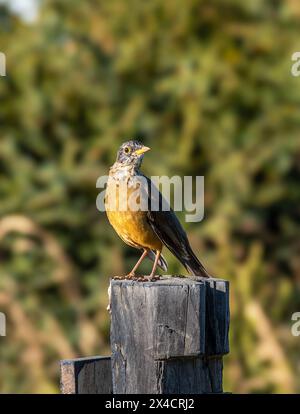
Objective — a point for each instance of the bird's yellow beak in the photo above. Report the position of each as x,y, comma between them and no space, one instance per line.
141,151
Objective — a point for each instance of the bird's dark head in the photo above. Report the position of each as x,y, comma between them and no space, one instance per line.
131,153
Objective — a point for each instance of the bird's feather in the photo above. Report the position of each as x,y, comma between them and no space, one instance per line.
162,263
167,227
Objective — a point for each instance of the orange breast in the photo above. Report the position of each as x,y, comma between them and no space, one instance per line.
131,226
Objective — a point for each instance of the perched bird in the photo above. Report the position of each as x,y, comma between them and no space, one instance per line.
145,229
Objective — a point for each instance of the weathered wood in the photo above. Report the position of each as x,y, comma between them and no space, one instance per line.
86,376
190,375
169,336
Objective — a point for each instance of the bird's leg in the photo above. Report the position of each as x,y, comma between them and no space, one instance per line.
132,273
152,277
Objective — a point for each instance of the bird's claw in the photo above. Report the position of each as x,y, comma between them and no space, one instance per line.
130,276
153,278
147,278
140,279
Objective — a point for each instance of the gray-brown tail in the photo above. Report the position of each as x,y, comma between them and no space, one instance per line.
194,266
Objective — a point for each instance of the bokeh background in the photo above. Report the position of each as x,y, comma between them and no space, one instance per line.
207,84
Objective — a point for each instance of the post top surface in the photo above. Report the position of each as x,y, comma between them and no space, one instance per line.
84,359
173,317
178,280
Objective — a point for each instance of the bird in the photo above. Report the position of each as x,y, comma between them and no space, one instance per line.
145,229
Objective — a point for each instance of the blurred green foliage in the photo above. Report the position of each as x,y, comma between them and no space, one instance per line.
207,85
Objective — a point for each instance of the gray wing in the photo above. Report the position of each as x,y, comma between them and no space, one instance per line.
167,227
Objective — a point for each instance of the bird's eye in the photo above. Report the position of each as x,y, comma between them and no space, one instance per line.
126,149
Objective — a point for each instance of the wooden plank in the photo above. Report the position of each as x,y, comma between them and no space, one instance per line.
187,375
86,375
169,336
217,317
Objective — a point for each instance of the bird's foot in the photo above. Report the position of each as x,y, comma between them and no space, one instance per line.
153,278
130,276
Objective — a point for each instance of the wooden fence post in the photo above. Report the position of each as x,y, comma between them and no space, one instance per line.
169,336
86,376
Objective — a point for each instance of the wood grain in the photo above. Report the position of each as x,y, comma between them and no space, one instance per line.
169,336
86,376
